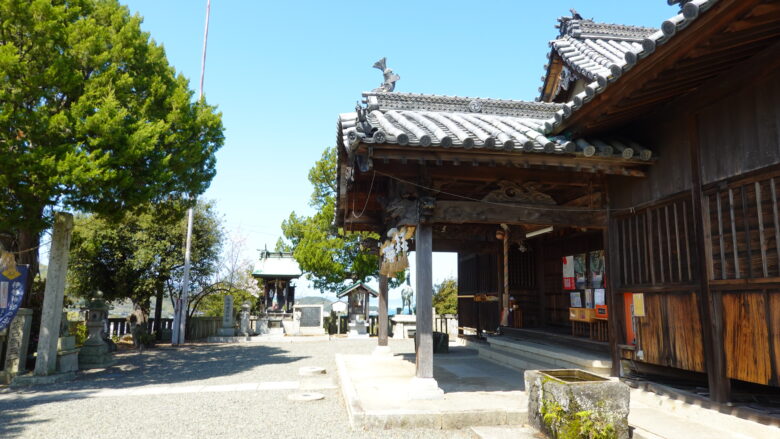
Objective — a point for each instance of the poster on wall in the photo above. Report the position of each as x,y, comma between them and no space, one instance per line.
580,275
596,268
588,298
599,297
576,299
568,273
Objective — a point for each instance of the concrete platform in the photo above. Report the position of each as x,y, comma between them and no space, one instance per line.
377,392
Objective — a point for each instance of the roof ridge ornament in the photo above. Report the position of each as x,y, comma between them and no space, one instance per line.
390,78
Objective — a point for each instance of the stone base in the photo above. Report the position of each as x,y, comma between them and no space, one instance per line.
291,327
228,339
382,351
424,388
304,330
95,355
226,332
34,380
275,331
68,361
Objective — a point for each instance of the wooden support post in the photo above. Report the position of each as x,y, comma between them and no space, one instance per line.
505,291
539,274
51,315
424,287
614,301
382,331
710,307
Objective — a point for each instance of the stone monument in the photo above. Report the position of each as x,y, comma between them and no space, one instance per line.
67,352
17,338
228,328
95,352
243,326
403,324
311,319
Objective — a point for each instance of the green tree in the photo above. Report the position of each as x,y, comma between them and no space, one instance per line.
92,118
445,297
330,256
141,256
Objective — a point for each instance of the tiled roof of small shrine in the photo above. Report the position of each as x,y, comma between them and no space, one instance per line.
603,52
416,120
276,265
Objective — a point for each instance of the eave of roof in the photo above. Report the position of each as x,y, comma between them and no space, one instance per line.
669,28
354,287
422,121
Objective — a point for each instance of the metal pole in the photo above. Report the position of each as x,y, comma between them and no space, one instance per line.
185,284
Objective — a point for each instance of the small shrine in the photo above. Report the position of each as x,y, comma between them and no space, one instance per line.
277,270
358,296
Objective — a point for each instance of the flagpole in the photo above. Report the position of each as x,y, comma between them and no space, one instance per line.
181,328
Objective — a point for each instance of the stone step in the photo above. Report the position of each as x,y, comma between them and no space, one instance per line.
552,356
510,360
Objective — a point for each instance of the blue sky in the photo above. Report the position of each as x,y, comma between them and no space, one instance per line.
281,72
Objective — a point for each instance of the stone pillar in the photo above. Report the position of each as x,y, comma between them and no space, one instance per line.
382,330
51,316
424,286
228,323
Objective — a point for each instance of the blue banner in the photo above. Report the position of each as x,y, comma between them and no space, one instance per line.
13,283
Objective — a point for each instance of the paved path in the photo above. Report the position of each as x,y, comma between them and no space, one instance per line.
235,390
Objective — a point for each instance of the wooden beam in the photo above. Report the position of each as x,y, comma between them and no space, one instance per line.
710,305
461,212
460,157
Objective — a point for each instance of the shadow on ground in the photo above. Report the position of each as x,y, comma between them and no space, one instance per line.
461,370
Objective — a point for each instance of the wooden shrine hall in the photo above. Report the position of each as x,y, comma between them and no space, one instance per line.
643,180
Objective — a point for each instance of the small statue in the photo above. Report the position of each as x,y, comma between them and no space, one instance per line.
390,78
406,299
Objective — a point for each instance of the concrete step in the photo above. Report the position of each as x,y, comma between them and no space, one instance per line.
552,356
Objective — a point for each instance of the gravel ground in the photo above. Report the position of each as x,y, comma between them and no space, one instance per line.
182,397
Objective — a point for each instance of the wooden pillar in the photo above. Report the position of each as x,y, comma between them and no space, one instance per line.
505,278
424,287
539,274
382,310
710,306
614,299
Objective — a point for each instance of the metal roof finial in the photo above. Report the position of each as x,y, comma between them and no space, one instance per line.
390,78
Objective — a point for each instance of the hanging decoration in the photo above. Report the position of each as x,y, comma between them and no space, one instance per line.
13,283
394,251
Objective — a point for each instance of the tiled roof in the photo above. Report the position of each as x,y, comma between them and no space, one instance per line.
602,52
276,264
457,122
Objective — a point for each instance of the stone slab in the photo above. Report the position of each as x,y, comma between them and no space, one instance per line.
34,380
375,390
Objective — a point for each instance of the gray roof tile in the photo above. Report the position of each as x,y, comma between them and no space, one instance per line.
602,52
416,120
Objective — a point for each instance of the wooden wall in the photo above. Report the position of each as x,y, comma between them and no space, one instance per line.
478,274
657,257
751,336
523,286
556,300
739,133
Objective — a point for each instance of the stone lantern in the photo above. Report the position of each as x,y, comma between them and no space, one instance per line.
95,353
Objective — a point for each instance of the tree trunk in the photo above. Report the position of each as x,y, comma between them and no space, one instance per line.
158,304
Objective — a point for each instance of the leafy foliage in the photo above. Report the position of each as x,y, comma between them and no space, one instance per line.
329,256
92,117
445,297
142,254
